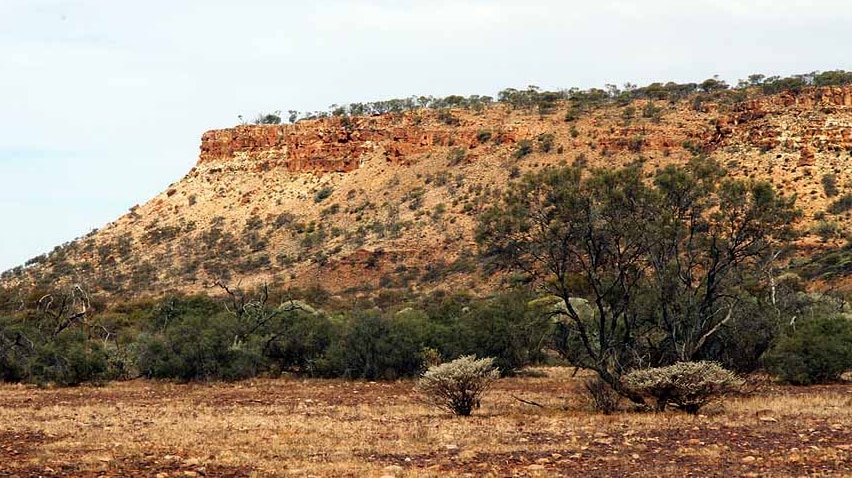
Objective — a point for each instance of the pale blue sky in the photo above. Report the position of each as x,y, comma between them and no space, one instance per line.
104,101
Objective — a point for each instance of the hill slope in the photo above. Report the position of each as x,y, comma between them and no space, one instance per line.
365,203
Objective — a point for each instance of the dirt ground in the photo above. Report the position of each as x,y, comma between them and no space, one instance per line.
294,427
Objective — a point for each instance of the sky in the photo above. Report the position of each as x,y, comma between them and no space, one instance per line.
104,102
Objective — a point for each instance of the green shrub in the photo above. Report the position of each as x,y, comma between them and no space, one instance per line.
572,114
524,148
195,347
841,205
458,386
747,336
299,342
651,111
28,353
818,351
686,385
323,193
446,116
829,184
827,230
374,347
506,328
483,136
455,156
15,350
69,359
545,142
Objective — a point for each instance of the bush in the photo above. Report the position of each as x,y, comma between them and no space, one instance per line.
298,341
483,136
505,327
458,386
455,156
829,184
447,117
374,347
198,348
545,142
841,205
64,359
323,193
686,385
70,359
524,148
827,230
818,351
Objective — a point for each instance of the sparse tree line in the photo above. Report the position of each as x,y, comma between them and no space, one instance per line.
535,100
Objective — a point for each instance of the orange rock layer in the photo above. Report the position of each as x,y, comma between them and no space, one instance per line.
336,144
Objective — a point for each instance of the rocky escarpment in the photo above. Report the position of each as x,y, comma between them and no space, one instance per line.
806,122
338,144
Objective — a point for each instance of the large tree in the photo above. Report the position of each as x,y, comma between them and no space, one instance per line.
649,269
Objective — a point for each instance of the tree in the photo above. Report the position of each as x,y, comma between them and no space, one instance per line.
268,118
663,267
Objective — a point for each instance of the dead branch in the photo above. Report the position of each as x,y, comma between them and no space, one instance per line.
528,402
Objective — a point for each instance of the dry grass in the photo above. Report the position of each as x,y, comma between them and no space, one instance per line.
337,428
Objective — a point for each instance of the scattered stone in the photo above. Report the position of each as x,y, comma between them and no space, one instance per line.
393,469
748,459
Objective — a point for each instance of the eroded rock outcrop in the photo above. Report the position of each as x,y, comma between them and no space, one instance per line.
337,144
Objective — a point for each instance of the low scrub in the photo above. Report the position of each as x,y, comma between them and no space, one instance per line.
458,386
818,351
686,385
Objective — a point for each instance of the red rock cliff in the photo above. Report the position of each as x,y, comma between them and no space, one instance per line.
338,144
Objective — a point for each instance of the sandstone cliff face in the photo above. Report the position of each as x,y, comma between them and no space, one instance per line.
337,144
809,120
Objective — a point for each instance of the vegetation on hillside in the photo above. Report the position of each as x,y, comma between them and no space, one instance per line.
615,270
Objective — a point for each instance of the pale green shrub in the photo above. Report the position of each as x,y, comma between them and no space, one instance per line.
458,386
686,385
